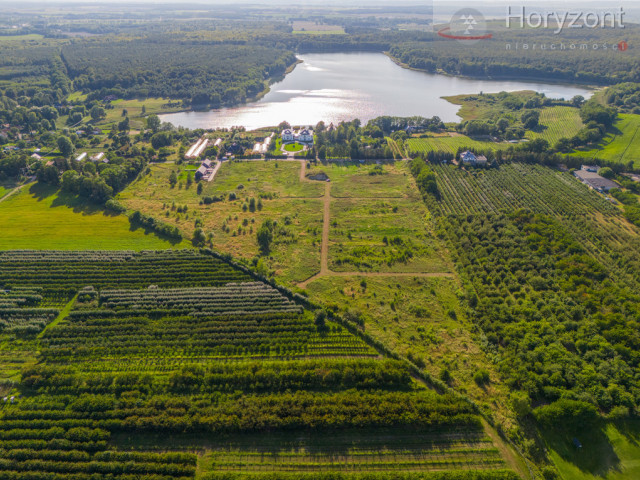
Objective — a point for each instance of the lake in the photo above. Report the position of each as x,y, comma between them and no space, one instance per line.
342,86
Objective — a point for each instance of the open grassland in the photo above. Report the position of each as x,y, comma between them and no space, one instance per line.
32,38
557,123
41,217
609,452
386,235
355,180
419,318
134,107
451,144
296,205
621,145
315,28
482,107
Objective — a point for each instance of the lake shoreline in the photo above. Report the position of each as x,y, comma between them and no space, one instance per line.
512,78
336,87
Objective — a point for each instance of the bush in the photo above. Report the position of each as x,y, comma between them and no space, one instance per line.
566,414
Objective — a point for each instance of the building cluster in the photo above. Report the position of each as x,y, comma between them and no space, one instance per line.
204,171
264,146
303,135
98,157
197,148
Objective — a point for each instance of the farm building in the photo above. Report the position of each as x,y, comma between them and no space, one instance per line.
81,157
201,172
590,168
97,157
595,181
197,148
471,158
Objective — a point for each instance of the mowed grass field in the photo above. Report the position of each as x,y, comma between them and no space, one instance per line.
557,123
621,145
611,452
42,218
450,144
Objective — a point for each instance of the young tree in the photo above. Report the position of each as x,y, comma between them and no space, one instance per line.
173,179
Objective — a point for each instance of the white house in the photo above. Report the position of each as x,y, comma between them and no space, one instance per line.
305,136
287,135
473,159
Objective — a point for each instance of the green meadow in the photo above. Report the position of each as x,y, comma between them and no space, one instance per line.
43,218
621,145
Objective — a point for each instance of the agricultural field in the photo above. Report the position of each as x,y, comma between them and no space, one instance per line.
572,241
622,145
450,143
315,28
42,217
557,123
244,360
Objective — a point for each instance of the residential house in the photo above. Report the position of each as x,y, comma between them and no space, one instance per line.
471,158
287,135
305,136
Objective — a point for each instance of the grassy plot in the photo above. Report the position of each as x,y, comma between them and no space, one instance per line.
450,144
621,145
295,254
134,110
611,452
485,106
557,123
363,181
419,318
42,218
386,235
280,178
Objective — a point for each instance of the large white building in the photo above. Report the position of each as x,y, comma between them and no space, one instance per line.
304,135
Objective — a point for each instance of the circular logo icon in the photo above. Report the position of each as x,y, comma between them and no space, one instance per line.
622,46
467,25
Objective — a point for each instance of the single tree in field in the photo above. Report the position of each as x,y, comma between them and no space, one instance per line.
173,179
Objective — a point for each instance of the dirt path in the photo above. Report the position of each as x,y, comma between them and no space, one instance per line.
15,190
513,458
324,252
303,171
215,170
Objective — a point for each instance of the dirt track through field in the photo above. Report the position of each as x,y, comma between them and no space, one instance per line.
12,192
324,251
